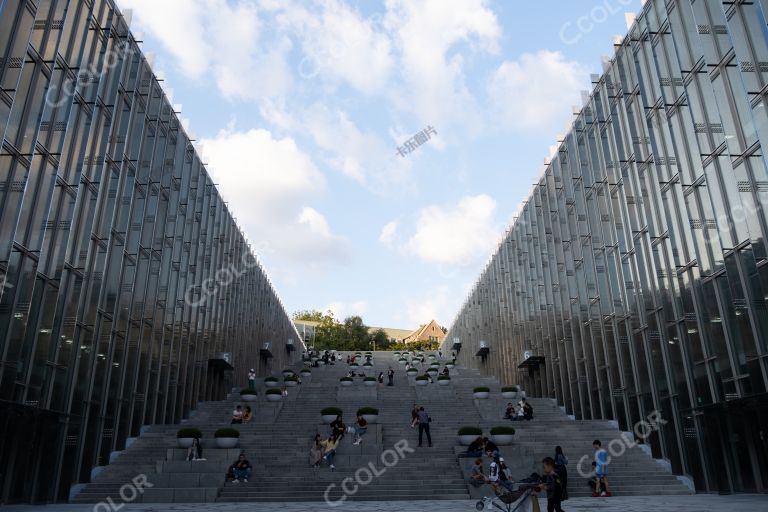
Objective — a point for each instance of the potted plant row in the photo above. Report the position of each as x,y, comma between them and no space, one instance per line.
248,395
227,437
273,395
509,391
502,435
329,414
184,436
469,434
371,414
481,392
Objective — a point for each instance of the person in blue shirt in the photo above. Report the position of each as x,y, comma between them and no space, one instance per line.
601,470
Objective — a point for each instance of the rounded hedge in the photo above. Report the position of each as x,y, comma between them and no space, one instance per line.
189,432
502,431
227,432
288,370
330,410
422,377
270,379
403,360
273,391
481,389
248,392
291,377
345,379
443,377
509,389
369,379
470,431
367,410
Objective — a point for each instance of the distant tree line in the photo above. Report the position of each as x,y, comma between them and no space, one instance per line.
348,335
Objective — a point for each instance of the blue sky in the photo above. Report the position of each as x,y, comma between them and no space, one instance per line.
299,108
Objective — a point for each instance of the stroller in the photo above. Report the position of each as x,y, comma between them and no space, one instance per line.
507,501
510,501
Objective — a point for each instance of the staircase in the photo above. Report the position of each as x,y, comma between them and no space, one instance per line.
277,445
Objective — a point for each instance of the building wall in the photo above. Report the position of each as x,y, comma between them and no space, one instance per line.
123,272
638,267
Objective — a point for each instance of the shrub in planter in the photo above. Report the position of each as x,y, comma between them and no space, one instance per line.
469,434
248,395
502,435
346,381
422,380
227,437
371,414
291,381
287,372
444,380
481,392
271,382
306,372
403,360
411,371
369,381
449,365
274,395
329,414
186,435
509,391
353,365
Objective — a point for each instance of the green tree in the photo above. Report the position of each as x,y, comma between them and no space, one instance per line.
311,315
380,340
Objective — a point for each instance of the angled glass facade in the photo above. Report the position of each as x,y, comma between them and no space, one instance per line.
128,293
635,277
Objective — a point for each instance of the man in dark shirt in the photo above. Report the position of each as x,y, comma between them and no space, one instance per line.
390,376
423,418
553,485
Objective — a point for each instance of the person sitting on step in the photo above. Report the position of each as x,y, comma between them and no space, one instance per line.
237,415
248,414
329,449
316,452
195,452
509,412
475,448
476,475
338,427
361,427
241,469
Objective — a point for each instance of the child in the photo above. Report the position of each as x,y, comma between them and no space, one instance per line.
553,485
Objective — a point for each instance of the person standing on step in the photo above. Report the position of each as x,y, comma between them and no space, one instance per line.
381,377
561,461
440,355
252,379
390,377
601,470
424,421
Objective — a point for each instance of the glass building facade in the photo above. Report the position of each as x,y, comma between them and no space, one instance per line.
635,277
128,293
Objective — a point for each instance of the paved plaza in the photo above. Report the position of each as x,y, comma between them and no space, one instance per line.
696,503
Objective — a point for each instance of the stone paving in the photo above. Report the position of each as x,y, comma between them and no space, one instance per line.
695,503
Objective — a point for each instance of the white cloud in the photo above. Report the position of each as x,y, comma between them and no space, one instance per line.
437,303
388,233
342,310
267,183
536,91
458,235
219,41
424,34
339,44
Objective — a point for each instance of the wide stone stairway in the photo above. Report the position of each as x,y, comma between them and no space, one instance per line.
277,445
